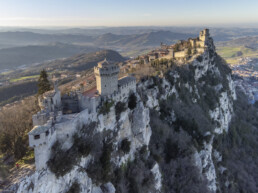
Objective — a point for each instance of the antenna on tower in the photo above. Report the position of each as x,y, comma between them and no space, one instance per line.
105,50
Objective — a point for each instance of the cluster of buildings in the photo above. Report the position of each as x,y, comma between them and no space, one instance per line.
60,115
248,77
180,50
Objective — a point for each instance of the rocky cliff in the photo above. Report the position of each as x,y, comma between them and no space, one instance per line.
161,139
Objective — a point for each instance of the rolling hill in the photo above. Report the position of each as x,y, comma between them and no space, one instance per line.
84,61
240,47
11,58
74,64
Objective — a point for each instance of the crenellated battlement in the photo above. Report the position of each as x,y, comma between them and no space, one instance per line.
60,115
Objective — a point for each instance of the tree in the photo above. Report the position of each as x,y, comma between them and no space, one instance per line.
6,145
125,145
14,128
43,83
20,147
132,101
189,51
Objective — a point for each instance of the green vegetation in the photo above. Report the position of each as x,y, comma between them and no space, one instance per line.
232,54
24,78
239,148
43,83
13,136
75,188
125,145
119,108
4,169
132,102
27,159
105,161
105,108
9,94
60,162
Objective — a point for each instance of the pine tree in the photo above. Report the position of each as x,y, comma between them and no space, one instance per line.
189,52
43,83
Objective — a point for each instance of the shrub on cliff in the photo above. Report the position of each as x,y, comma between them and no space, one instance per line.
105,108
43,83
82,145
132,101
15,122
75,188
61,161
125,145
119,108
105,161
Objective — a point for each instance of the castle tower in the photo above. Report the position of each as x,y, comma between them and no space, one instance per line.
41,138
106,77
204,35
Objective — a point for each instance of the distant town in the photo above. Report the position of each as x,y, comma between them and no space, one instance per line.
247,77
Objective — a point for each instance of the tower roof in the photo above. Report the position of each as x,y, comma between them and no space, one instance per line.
103,63
38,129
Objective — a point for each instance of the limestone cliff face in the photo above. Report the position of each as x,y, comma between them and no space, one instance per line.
132,125
205,83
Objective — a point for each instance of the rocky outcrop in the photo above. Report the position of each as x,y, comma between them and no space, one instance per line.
205,75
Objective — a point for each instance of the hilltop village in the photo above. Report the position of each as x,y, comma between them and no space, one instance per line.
60,115
182,51
118,132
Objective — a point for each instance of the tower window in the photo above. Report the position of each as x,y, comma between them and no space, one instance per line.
36,136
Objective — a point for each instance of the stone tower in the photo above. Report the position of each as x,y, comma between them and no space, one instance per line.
106,77
204,35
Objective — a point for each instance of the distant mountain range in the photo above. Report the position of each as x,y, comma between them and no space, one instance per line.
150,38
84,61
250,42
38,45
26,48
145,39
74,64
11,58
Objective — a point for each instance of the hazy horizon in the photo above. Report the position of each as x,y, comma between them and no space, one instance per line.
79,13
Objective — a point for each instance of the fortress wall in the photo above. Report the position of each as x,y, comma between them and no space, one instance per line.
169,56
57,99
40,118
42,148
51,102
70,104
66,129
108,84
200,44
126,89
200,50
180,54
90,103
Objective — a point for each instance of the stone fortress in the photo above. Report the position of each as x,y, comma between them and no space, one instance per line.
178,51
61,115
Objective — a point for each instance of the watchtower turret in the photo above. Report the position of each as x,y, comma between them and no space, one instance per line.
106,77
204,35
41,138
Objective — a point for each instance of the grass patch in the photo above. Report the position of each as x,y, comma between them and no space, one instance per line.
27,159
24,78
232,54
4,169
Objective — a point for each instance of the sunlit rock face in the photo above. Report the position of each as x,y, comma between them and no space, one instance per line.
134,125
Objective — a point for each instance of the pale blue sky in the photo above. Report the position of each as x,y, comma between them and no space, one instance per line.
126,13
